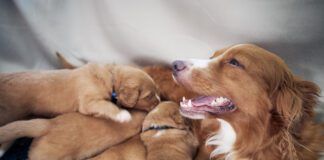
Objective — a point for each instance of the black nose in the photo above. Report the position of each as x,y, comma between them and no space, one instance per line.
178,66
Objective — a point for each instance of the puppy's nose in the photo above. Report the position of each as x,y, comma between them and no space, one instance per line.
178,66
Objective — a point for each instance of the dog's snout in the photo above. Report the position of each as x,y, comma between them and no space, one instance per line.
178,66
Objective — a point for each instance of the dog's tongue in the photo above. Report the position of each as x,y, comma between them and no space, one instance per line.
203,100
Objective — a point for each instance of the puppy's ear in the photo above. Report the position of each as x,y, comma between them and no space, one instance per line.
128,96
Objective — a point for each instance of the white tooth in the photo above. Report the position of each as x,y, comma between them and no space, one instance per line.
183,99
189,103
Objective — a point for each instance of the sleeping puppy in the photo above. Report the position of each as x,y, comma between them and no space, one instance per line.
161,74
71,135
166,135
87,90
132,149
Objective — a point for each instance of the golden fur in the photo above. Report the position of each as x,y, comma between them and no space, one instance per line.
177,143
71,135
86,90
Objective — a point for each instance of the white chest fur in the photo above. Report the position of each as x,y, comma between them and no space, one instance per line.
224,140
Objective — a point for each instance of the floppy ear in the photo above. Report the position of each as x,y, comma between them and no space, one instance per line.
128,96
296,100
294,103
288,105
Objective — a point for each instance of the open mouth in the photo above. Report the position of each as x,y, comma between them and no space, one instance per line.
198,107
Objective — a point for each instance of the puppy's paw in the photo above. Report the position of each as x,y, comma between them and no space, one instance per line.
123,116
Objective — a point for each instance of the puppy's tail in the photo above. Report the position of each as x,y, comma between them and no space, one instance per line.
24,128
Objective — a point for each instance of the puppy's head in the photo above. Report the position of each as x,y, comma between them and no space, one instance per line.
166,114
165,125
135,88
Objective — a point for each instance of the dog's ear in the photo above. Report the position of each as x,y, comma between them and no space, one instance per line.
288,105
128,96
294,102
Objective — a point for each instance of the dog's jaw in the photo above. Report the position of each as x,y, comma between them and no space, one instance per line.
123,116
224,139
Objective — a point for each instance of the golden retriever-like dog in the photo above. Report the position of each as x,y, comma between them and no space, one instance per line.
264,111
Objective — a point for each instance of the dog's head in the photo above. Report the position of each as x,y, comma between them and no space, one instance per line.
250,88
135,88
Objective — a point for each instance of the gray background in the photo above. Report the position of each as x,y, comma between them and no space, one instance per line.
145,31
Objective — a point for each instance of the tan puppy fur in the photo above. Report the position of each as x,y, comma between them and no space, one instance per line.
71,135
132,149
176,143
162,76
86,90
167,88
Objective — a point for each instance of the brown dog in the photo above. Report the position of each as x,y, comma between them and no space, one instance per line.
264,111
71,135
87,90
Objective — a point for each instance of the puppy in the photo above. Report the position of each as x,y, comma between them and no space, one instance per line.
166,135
167,89
71,135
263,110
132,149
162,75
87,90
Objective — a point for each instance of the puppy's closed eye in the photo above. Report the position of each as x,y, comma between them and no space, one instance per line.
235,63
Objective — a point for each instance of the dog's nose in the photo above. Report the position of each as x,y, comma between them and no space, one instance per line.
178,66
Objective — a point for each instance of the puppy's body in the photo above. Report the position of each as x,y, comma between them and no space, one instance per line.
71,135
132,149
86,90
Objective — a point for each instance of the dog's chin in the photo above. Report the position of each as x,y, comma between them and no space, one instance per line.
193,114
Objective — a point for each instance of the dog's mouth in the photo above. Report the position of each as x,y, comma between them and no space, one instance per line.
197,108
157,127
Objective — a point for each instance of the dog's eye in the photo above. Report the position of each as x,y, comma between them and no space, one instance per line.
234,62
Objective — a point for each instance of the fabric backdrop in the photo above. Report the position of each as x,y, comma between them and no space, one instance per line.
158,31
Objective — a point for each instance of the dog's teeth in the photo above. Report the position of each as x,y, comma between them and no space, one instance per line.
183,99
189,103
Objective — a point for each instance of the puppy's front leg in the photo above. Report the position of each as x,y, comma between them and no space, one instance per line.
105,109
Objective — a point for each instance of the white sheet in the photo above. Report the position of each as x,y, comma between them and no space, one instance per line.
129,32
